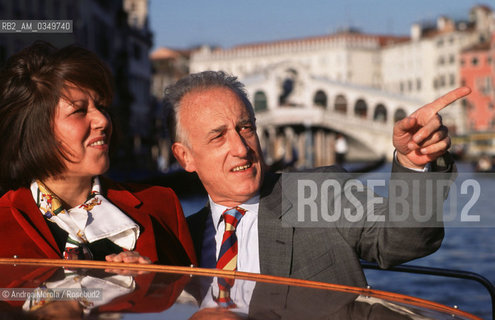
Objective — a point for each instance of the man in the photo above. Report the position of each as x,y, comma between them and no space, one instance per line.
213,131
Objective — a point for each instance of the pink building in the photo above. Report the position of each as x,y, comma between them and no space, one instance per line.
477,72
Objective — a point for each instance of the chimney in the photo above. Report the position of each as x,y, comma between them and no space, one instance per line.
445,24
416,31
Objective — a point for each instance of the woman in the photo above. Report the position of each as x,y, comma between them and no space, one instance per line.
55,138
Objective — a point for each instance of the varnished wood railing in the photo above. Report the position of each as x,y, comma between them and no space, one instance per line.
396,297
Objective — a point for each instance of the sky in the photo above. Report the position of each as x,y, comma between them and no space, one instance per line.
181,24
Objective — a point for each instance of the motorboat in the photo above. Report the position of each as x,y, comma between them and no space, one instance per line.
80,289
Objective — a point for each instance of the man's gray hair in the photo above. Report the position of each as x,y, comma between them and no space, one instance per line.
198,81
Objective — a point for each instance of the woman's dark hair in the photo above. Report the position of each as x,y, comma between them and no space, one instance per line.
31,85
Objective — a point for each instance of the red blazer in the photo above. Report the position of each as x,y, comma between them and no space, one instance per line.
164,236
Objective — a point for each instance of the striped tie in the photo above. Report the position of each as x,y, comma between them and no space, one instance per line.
227,258
224,300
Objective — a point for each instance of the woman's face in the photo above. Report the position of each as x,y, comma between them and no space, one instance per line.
83,129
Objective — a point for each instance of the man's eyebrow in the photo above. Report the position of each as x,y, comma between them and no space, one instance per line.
244,122
217,130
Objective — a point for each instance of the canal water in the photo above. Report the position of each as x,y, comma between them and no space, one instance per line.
464,248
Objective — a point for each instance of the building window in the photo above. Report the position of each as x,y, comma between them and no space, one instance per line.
480,85
473,125
441,82
439,42
441,61
452,79
380,114
462,62
418,84
471,106
399,114
361,109
401,85
474,61
320,99
260,101
340,104
451,59
487,86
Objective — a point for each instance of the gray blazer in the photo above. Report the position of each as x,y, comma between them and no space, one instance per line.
332,253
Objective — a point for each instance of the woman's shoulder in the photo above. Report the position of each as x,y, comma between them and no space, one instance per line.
19,200
6,199
11,197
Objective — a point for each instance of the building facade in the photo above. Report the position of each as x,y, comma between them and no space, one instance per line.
477,73
347,57
423,66
427,66
137,47
118,32
168,66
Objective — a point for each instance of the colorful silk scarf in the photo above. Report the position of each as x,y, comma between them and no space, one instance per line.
95,219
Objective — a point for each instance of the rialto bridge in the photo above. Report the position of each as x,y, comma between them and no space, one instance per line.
298,116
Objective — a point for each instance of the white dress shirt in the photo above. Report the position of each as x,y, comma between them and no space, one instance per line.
248,256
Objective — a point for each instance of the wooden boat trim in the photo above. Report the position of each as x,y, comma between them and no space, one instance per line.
396,297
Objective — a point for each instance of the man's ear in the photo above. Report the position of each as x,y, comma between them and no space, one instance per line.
183,155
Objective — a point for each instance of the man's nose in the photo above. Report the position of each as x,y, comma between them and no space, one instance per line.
238,146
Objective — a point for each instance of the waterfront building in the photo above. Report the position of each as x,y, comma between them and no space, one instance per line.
347,56
377,78
427,65
306,90
168,66
478,72
118,32
136,47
